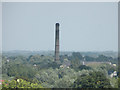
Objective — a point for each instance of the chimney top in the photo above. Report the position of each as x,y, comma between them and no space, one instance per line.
57,24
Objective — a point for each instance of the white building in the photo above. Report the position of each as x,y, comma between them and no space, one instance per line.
114,65
8,60
34,65
114,74
83,63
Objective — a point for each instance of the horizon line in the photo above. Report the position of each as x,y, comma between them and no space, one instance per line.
63,50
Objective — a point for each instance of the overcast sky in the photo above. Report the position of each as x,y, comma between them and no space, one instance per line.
83,26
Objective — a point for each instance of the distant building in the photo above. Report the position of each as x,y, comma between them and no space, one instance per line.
114,65
65,64
8,60
83,63
110,63
34,65
114,74
61,66
68,67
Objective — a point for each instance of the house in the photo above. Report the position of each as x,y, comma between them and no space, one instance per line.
114,65
8,60
114,74
34,65
66,64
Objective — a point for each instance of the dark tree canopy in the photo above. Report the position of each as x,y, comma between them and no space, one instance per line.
93,80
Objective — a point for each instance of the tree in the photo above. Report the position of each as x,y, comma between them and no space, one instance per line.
88,58
21,70
77,55
81,67
20,83
93,80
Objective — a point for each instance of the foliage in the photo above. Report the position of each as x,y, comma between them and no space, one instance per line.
119,82
21,70
114,82
75,56
84,67
67,73
93,80
20,83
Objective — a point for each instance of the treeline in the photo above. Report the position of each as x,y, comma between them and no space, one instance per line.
67,73
100,58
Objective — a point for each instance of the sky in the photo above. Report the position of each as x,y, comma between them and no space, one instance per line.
85,26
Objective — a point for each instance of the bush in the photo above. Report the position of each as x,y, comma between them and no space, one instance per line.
20,83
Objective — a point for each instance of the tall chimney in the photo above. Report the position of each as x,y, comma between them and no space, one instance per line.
57,42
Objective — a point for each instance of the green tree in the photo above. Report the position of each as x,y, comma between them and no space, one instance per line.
20,83
118,82
93,80
81,67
